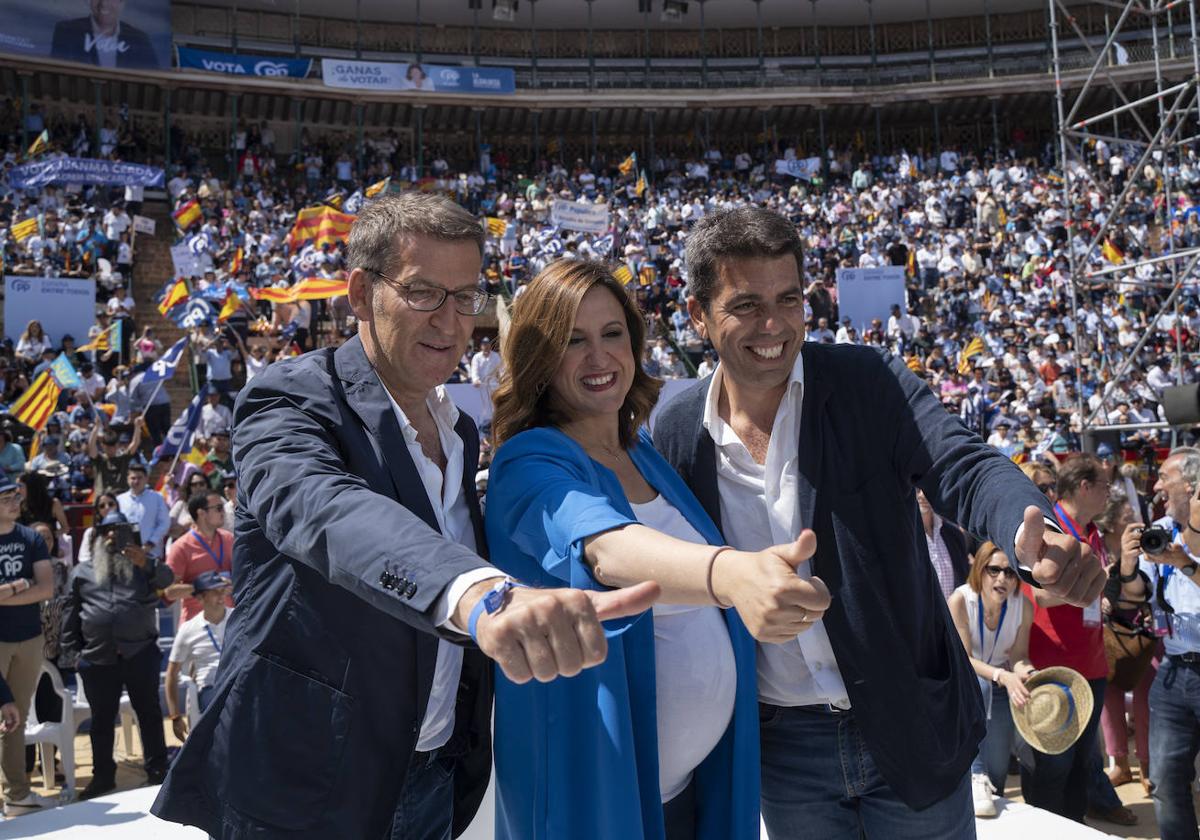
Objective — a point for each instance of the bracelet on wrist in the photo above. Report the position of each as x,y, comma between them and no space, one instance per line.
1191,527
708,578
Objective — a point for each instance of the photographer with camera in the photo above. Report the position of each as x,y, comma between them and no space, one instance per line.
110,619
1171,584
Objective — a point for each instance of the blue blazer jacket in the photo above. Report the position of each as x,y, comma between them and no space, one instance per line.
578,757
330,654
871,432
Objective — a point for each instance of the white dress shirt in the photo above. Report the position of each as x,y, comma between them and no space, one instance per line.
454,519
760,508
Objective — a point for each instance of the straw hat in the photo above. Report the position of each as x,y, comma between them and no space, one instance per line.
1058,709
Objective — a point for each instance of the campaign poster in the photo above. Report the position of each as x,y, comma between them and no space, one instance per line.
122,34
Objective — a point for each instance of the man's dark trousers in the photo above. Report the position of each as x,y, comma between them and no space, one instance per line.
103,683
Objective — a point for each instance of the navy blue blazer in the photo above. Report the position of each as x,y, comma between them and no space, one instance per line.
329,656
870,432
70,42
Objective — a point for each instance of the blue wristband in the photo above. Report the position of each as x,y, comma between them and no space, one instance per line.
491,602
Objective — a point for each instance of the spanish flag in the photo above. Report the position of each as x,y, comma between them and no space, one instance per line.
40,144
172,295
496,226
623,274
378,187
235,265
319,225
629,164
914,364
34,407
319,288
24,229
974,348
187,214
231,305
1111,252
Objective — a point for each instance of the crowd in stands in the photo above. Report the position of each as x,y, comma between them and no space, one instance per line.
988,319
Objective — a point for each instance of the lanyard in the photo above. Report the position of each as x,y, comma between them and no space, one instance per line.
999,624
219,559
1067,522
1167,569
212,638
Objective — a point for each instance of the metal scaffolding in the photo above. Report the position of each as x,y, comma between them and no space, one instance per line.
1157,125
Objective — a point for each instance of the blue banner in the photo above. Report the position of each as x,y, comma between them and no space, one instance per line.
40,173
243,65
164,366
65,372
355,74
131,34
197,312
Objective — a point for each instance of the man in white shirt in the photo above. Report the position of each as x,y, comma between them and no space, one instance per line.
360,579
196,649
214,416
485,375
789,438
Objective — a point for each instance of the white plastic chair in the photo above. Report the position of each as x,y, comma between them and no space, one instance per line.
125,709
61,735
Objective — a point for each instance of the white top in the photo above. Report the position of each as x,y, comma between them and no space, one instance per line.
695,673
454,519
194,647
995,646
760,508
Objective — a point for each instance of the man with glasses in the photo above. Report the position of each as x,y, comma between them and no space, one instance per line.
358,571
206,547
26,579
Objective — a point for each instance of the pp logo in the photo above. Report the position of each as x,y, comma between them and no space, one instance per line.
12,566
21,286
448,76
270,68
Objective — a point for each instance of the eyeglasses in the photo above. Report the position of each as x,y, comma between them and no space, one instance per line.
1045,488
14,496
105,505
996,571
212,508
431,298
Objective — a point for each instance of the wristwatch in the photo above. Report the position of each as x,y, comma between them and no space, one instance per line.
1190,568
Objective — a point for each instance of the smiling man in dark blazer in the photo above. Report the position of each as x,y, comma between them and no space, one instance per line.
870,720
345,704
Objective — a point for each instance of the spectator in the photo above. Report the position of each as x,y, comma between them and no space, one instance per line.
33,343
947,547
991,604
110,459
26,580
486,368
145,510
111,622
218,464
12,456
207,547
214,416
196,649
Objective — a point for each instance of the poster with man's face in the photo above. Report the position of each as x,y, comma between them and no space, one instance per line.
123,34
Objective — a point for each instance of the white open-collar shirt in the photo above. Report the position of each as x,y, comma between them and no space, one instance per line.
760,508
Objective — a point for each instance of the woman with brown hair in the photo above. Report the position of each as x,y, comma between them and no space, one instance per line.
661,740
993,618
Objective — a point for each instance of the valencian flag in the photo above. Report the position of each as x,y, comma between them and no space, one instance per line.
646,275
172,294
320,288
496,226
273,294
641,184
24,229
378,187
319,225
629,164
623,274
40,144
974,348
1111,252
34,407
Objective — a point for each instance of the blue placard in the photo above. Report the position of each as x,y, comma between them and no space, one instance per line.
243,65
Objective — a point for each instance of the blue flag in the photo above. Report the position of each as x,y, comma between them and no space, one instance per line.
164,366
64,372
179,439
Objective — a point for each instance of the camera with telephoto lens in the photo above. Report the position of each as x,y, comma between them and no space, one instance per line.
1154,540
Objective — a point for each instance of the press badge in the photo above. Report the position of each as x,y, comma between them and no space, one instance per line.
1091,614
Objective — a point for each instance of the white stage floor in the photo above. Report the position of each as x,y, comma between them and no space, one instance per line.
125,816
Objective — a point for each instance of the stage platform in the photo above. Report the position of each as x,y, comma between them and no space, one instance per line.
125,816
